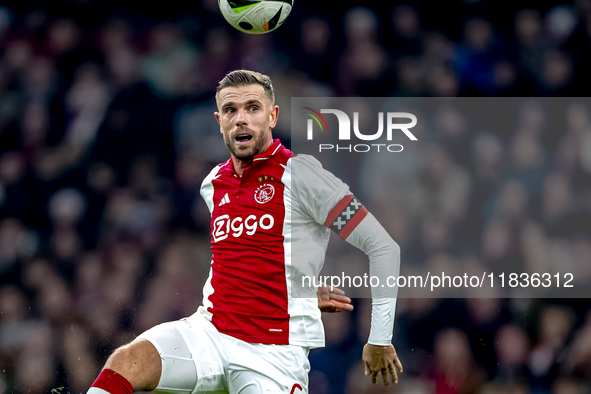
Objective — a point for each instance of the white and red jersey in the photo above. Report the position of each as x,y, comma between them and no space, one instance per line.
258,222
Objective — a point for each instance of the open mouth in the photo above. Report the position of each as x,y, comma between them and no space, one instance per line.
243,138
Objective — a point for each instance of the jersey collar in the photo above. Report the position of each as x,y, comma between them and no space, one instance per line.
274,149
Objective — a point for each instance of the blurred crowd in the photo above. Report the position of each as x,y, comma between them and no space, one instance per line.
107,130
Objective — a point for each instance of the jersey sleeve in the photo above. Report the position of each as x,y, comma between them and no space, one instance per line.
206,189
328,200
384,263
314,190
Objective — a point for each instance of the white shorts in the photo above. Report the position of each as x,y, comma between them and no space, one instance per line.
197,358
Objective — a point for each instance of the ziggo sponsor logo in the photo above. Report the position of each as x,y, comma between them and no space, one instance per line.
223,226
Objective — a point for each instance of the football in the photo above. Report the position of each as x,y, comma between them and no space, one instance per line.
255,17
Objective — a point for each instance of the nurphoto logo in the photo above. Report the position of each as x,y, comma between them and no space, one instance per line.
345,130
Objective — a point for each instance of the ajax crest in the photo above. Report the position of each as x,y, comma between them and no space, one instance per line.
264,193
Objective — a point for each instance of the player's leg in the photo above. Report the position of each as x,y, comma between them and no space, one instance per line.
133,367
189,354
251,382
180,357
269,369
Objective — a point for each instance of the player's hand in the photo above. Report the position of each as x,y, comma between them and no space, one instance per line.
381,359
332,300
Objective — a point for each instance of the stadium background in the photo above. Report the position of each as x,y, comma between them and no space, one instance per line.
106,131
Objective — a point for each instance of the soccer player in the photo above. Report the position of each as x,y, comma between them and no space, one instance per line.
251,336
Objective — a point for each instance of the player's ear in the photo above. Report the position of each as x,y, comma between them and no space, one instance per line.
219,119
274,115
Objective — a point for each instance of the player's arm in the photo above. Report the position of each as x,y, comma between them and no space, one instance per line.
384,261
328,201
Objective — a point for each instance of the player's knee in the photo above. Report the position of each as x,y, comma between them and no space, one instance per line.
128,356
138,362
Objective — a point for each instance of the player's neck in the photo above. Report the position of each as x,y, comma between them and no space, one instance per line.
240,165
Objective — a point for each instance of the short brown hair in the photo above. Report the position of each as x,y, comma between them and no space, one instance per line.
247,77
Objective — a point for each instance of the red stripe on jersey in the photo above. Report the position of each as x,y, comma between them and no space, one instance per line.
248,264
336,211
355,220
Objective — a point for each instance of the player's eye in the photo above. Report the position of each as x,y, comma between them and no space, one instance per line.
229,110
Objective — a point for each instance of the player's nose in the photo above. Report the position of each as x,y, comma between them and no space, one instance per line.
241,117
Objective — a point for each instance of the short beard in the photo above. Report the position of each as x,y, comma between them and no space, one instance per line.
257,149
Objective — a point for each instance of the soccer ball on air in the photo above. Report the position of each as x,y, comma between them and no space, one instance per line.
255,17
